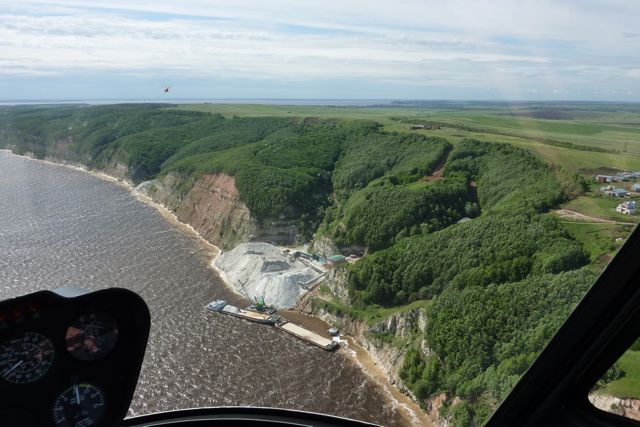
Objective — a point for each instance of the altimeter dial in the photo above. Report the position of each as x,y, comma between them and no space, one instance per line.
81,405
92,336
26,358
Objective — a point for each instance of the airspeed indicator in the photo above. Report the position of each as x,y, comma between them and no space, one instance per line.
25,359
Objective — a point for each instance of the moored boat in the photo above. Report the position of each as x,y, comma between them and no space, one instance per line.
216,305
307,335
252,316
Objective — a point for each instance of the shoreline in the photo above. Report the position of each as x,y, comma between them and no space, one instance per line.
408,410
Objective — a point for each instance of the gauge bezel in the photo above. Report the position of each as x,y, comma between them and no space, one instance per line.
46,364
82,354
115,375
74,388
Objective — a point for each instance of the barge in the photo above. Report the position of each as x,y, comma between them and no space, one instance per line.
307,335
221,306
266,318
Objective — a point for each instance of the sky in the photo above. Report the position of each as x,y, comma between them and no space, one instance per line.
328,49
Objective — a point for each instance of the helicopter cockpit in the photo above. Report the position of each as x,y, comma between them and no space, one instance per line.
71,358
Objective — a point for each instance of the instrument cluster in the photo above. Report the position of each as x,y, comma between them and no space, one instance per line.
69,358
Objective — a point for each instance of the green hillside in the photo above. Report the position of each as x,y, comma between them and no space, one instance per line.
456,217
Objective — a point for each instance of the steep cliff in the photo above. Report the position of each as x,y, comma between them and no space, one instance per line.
383,340
214,209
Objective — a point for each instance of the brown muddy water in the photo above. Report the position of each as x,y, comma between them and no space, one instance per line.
61,227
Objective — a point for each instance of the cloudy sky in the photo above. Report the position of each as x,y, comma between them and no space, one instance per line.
326,49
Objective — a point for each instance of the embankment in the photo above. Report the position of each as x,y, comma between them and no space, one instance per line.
379,348
213,211
213,207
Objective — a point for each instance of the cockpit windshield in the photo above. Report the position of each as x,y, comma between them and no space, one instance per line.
380,211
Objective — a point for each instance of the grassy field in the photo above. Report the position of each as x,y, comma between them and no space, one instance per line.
605,126
614,136
563,135
600,240
612,127
374,313
629,384
569,159
600,207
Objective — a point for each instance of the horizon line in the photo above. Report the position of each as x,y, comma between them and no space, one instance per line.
8,102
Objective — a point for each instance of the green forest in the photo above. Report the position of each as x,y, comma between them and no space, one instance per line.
462,224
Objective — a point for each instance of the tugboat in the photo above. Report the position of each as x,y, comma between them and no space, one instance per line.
221,306
217,305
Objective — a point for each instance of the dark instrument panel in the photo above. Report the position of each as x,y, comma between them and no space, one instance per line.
69,358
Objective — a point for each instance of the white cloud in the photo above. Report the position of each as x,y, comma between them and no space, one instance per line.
460,43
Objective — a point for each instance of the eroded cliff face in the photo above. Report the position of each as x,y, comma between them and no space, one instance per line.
402,325
212,207
401,329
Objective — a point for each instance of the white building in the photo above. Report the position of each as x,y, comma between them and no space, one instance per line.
627,208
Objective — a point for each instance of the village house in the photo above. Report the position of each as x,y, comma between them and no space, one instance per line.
615,192
619,177
635,188
627,208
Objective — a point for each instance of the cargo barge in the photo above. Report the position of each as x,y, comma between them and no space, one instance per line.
221,306
268,318
307,335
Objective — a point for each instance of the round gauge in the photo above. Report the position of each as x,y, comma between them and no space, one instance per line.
26,358
81,405
92,336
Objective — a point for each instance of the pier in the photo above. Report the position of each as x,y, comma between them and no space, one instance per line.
307,335
266,318
253,316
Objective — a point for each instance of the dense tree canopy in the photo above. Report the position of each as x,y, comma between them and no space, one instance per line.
500,282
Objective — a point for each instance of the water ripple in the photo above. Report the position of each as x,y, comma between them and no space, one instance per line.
60,227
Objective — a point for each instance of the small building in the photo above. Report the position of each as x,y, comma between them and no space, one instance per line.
335,260
627,208
616,192
635,187
298,254
603,178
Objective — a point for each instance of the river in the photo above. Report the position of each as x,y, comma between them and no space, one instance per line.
60,227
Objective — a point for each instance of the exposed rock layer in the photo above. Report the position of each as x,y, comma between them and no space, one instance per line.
214,209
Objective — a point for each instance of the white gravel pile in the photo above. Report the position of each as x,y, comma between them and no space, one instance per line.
265,271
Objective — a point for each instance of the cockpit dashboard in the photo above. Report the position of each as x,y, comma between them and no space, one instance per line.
69,358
